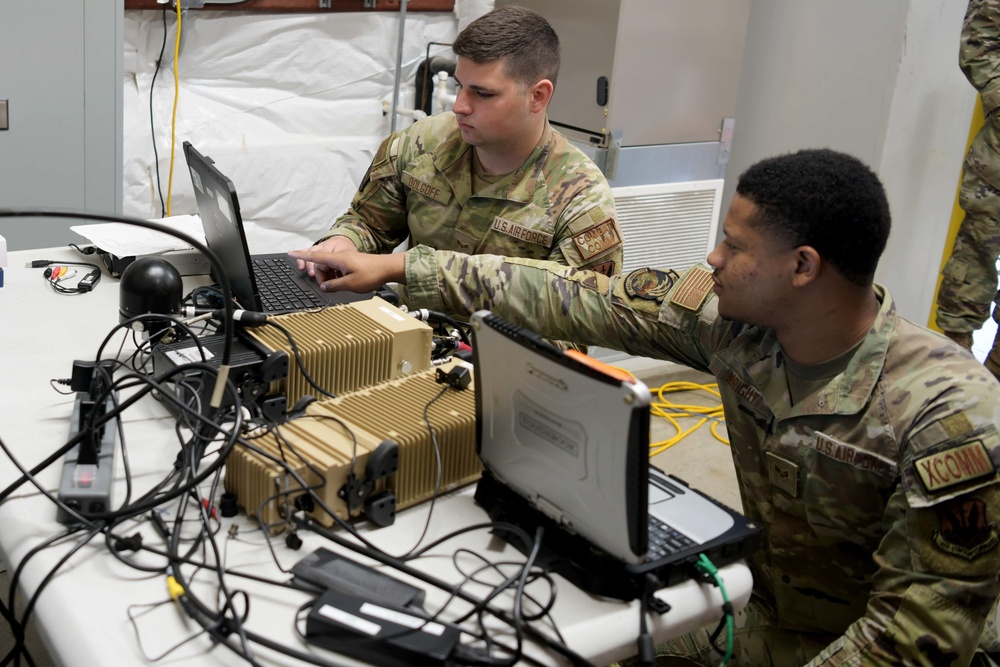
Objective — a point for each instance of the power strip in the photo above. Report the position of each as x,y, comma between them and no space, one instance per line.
86,487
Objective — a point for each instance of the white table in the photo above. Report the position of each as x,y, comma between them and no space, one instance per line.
83,614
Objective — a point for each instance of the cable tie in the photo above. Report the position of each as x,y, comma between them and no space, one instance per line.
131,543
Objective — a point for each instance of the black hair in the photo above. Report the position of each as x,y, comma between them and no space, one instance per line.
520,37
824,199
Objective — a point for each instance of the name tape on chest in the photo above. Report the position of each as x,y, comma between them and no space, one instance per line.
954,466
693,289
746,391
416,185
598,239
855,456
521,233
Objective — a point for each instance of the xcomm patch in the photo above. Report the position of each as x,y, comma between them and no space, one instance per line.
955,466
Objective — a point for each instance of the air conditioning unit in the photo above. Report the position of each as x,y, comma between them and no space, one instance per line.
668,225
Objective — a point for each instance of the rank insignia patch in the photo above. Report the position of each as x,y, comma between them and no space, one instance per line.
649,284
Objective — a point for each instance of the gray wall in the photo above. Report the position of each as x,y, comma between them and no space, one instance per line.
62,74
879,80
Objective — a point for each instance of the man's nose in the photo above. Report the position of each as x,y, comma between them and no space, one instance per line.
714,258
461,105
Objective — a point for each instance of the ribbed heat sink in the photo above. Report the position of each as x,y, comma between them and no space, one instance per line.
390,410
347,347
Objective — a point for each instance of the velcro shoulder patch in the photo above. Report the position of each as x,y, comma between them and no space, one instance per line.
598,239
382,164
953,467
693,288
649,284
607,268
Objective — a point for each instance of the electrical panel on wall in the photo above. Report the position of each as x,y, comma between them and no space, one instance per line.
648,71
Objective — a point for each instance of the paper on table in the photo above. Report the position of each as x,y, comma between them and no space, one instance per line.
124,240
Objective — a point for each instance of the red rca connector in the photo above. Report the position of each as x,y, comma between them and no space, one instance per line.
209,508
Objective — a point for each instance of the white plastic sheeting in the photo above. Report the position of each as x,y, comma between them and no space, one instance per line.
290,107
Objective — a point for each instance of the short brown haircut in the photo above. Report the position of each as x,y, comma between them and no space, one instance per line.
521,38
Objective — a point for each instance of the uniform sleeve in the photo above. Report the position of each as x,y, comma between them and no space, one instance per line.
564,303
979,53
376,221
587,234
938,562
591,239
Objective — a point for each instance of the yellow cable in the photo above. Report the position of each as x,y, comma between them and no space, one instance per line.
173,118
174,588
665,409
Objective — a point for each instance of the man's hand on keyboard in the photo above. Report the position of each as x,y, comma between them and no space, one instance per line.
332,244
353,271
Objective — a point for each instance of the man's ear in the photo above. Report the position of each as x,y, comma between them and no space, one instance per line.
807,266
540,94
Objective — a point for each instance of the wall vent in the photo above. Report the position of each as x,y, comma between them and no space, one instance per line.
668,225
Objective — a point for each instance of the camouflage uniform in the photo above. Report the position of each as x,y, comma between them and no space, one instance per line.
969,281
878,492
556,206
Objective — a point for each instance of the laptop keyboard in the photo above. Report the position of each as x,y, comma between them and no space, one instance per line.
278,290
664,540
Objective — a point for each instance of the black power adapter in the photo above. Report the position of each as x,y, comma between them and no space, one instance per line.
379,633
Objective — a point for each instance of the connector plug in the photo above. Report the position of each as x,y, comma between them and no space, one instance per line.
89,281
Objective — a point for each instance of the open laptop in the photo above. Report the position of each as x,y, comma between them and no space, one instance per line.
269,283
564,440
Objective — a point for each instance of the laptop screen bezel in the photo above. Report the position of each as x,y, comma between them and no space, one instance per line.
502,346
224,234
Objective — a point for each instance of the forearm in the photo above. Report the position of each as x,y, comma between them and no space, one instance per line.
554,301
923,628
356,229
936,581
979,55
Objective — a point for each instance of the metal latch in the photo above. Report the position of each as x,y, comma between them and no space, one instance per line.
726,140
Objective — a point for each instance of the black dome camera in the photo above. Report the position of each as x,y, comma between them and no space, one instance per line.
150,286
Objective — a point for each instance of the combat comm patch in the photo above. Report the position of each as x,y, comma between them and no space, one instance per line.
598,239
953,467
649,284
693,289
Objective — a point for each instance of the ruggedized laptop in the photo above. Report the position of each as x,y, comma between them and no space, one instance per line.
269,283
564,440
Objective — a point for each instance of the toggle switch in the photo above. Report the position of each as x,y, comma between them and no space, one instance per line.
3,115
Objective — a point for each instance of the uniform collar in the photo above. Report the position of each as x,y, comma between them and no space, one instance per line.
757,350
454,157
